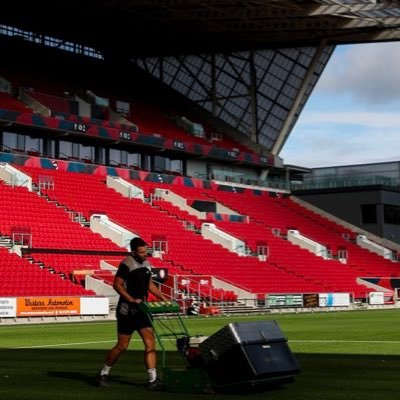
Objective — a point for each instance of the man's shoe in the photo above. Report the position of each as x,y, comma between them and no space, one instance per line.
155,386
102,380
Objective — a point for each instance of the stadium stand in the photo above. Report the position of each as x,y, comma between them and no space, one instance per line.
180,110
288,268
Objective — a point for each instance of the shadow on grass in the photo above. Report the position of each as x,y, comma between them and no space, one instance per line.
52,374
74,376
91,380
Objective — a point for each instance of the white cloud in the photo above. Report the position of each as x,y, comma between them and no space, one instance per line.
368,72
353,115
368,119
336,138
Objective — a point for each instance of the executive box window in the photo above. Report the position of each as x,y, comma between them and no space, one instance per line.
124,158
368,214
391,214
24,143
77,151
165,164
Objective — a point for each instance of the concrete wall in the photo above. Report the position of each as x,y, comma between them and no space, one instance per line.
346,204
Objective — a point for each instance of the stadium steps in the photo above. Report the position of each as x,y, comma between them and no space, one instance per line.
75,215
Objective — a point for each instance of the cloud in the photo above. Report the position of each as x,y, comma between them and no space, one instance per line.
369,73
343,138
368,119
352,117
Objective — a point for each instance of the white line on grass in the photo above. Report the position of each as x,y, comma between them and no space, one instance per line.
64,344
138,340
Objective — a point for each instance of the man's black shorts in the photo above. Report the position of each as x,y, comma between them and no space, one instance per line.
127,324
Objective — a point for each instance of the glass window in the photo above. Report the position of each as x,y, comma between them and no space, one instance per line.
65,149
9,141
22,142
368,214
34,144
177,166
86,153
115,157
134,160
122,157
122,107
391,214
161,164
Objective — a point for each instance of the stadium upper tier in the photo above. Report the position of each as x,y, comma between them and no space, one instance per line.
125,119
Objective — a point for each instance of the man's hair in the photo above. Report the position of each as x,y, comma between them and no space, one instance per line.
137,242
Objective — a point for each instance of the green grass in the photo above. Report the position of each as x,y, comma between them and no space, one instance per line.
342,355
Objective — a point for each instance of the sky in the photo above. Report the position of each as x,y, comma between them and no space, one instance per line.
353,114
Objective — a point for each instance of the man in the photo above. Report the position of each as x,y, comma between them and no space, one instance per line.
133,283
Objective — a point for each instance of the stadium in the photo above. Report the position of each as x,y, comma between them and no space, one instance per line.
166,120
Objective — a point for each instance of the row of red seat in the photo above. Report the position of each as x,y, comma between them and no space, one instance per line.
288,269
18,277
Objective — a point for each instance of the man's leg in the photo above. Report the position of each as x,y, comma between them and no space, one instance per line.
112,357
150,357
121,345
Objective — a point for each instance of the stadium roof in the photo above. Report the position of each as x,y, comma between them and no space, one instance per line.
154,27
251,64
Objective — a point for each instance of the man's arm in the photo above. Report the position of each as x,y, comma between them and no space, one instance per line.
153,289
119,286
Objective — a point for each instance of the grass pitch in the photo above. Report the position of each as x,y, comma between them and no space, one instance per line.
342,355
